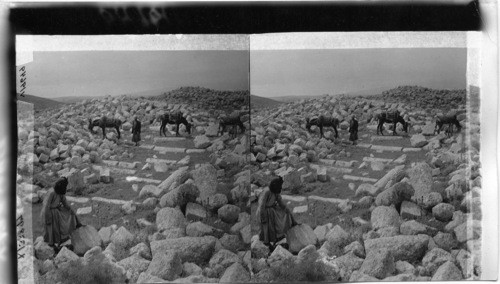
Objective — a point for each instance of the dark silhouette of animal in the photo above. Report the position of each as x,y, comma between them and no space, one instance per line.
321,122
105,122
450,120
176,118
231,120
390,117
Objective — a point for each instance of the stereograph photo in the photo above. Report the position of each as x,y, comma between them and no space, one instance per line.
314,157
367,159
133,163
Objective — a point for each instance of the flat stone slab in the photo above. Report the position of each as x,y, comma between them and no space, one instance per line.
338,163
110,163
115,170
168,139
77,199
373,159
84,210
325,199
153,161
337,170
112,201
412,149
196,151
146,146
364,145
293,198
357,178
128,165
300,209
386,138
359,221
145,180
386,148
169,149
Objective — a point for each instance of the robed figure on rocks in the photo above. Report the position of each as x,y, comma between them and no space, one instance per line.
136,131
58,217
275,217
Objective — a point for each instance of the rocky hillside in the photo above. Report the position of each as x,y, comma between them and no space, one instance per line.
206,98
39,103
422,97
392,208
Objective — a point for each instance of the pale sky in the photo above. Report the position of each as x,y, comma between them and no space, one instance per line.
98,73
278,73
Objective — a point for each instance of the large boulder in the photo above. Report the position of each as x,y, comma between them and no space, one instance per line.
134,265
385,216
166,265
407,248
235,273
205,179
85,238
229,213
150,190
179,177
122,237
191,249
435,258
202,142
223,258
418,141
443,212
420,177
170,218
378,263
300,236
448,271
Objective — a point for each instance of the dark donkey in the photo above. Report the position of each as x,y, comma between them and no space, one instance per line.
450,120
105,122
234,120
390,117
321,122
176,118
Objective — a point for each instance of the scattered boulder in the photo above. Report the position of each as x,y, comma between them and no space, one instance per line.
85,238
300,236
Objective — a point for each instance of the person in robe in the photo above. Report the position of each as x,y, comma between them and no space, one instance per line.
275,217
136,131
353,129
58,217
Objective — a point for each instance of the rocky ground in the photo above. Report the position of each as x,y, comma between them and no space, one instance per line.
394,208
172,209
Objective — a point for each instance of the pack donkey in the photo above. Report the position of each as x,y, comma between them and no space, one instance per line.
450,120
390,117
105,122
176,118
231,120
321,122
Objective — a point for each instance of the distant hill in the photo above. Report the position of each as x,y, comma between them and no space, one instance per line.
72,100
288,99
38,102
208,98
423,97
260,102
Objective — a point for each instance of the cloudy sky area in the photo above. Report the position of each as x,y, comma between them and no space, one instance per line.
98,73
317,72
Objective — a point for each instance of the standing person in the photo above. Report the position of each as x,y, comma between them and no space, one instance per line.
275,218
58,217
353,129
136,131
